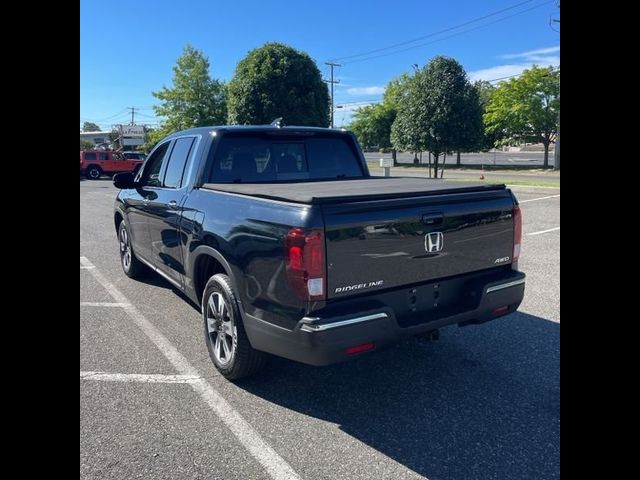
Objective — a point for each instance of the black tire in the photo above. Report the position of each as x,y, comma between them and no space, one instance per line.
93,172
243,360
131,266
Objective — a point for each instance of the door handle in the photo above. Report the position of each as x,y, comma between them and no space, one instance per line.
173,204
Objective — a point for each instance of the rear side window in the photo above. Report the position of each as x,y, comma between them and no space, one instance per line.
104,156
90,156
177,162
272,157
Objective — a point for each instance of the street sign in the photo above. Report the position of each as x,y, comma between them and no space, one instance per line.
131,131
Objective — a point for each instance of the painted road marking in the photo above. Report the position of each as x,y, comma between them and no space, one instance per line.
137,377
273,463
86,267
544,231
103,304
539,198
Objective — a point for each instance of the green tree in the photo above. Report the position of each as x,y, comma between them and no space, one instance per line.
194,100
114,137
439,111
372,125
84,145
90,127
394,91
489,138
526,108
278,81
150,139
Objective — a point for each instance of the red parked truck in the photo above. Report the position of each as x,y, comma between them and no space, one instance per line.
95,163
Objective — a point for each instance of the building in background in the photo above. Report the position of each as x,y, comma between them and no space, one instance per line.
95,137
129,136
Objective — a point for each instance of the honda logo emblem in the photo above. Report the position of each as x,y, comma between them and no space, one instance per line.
433,242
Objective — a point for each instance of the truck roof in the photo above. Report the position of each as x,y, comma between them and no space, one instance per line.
257,129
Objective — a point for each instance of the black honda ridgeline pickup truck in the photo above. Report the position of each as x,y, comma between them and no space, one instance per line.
292,248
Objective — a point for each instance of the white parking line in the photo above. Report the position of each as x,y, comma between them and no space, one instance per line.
273,463
86,267
544,231
539,198
103,304
137,377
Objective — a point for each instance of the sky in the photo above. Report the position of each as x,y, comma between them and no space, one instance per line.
128,49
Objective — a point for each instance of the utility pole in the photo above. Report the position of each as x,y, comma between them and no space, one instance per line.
133,109
332,81
556,155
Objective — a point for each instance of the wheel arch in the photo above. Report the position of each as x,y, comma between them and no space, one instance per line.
206,262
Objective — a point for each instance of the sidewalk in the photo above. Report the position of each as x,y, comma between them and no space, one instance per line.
534,177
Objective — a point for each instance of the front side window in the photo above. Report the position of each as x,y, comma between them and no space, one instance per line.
151,174
104,156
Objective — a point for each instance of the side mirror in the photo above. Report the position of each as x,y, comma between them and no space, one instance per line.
124,180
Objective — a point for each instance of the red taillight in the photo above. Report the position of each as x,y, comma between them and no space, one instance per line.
295,258
517,232
365,347
305,263
500,310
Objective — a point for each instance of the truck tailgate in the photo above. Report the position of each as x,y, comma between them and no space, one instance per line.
376,244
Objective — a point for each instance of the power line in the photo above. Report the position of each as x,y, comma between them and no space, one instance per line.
433,33
106,118
512,76
145,115
449,36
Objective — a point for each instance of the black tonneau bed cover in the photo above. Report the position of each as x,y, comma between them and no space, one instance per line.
346,190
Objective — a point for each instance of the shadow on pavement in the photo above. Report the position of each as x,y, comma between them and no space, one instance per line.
482,402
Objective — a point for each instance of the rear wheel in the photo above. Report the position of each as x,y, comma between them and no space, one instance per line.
132,267
93,172
227,341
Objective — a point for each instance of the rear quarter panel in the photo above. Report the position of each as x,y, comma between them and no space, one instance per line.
249,233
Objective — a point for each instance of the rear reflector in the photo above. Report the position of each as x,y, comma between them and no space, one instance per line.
365,347
500,310
517,233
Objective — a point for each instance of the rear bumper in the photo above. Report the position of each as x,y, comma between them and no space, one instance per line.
382,320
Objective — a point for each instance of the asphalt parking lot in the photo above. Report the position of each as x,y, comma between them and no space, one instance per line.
480,403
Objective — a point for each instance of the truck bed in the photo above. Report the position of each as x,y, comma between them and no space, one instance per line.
346,190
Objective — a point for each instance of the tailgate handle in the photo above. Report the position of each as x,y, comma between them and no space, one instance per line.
432,218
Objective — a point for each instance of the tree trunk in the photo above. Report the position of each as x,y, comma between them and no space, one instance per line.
435,165
444,162
458,158
429,164
546,153
395,159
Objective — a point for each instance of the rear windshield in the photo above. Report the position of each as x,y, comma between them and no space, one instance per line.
268,157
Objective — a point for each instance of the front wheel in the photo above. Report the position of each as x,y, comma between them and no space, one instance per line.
227,341
93,172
